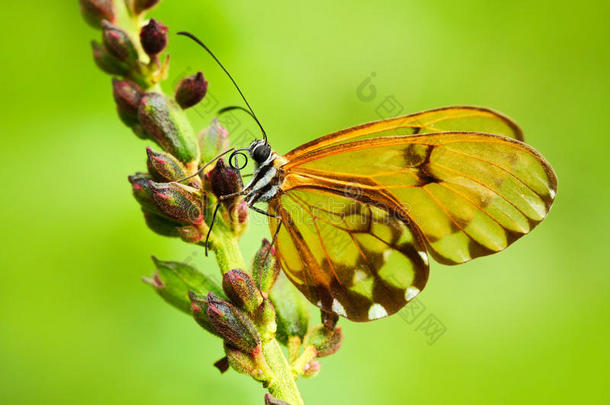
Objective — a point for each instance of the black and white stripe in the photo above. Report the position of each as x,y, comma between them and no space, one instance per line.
265,183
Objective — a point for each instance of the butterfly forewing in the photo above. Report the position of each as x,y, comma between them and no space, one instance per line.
473,119
347,256
469,194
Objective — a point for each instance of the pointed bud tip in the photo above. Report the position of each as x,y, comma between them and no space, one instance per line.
153,37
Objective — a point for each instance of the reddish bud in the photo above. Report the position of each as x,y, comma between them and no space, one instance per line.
191,90
167,124
240,289
225,180
164,167
265,268
142,5
118,43
181,203
232,325
190,234
127,96
106,62
213,140
160,225
142,191
153,37
95,11
242,212
312,369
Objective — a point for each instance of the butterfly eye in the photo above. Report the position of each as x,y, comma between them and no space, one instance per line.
260,152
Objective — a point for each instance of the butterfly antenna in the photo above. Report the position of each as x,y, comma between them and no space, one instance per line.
251,111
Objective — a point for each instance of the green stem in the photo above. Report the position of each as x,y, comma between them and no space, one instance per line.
283,383
227,253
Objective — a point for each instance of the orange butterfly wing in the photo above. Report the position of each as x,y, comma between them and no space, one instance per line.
347,256
458,195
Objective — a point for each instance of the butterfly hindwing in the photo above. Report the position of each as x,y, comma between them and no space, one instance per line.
346,256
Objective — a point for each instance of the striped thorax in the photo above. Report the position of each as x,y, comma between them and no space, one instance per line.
266,180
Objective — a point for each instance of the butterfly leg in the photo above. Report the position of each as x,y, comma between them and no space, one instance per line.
207,238
264,212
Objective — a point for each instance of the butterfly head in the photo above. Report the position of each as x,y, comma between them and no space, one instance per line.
260,151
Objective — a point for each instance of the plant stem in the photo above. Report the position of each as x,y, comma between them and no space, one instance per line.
227,252
283,383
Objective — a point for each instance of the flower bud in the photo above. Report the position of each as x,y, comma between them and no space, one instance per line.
190,234
160,225
243,211
325,341
106,62
191,90
167,125
239,361
213,140
127,96
181,203
232,325
312,369
164,167
173,282
153,37
118,43
94,11
142,5
142,191
225,180
265,268
199,309
269,400
240,289
265,319
292,310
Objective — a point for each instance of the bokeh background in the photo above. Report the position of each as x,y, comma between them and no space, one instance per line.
529,325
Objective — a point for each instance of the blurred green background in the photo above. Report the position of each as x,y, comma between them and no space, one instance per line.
529,325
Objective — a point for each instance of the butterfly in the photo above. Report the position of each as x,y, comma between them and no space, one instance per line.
356,215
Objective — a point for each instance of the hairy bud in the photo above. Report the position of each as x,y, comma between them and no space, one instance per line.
312,369
232,325
213,140
265,268
142,191
240,289
95,11
167,125
118,43
181,203
164,167
127,96
225,180
106,62
191,90
153,37
160,225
